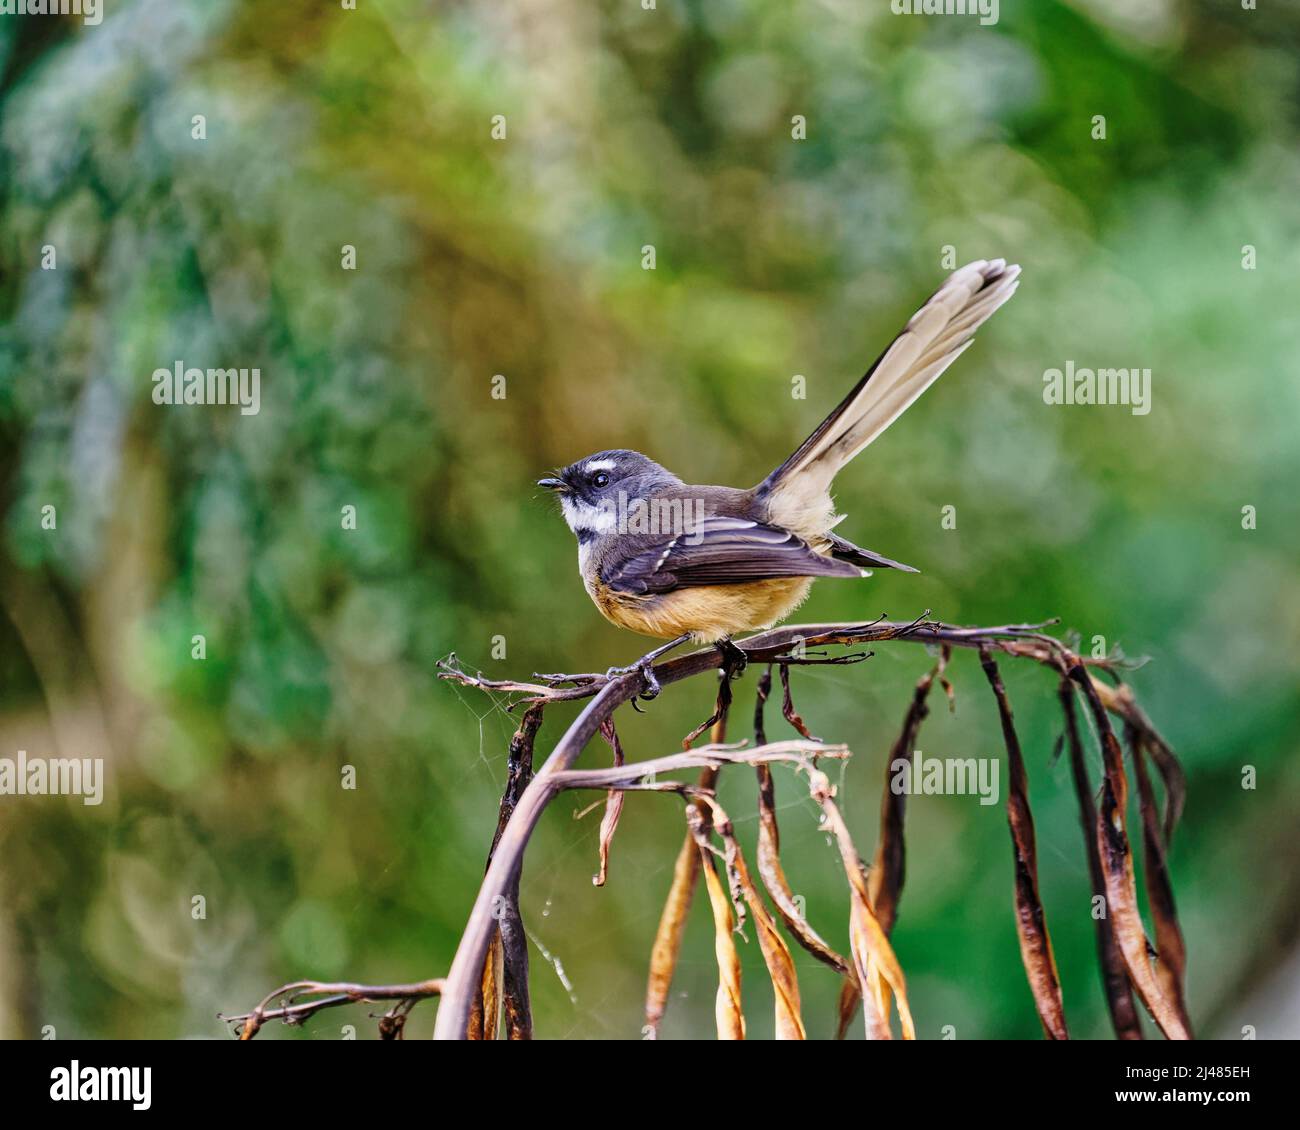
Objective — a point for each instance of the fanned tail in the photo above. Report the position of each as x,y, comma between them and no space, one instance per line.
797,493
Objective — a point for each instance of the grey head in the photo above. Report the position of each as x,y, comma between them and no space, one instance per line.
590,489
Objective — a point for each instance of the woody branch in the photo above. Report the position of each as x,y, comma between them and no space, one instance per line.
607,694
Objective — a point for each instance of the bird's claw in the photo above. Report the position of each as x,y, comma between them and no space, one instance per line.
652,687
734,659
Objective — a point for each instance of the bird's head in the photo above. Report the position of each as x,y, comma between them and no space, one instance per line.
593,491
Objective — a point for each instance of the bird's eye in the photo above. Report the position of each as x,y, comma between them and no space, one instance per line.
600,480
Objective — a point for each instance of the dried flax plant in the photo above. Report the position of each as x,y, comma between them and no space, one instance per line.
486,991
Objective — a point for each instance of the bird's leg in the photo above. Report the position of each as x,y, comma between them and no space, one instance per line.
646,666
734,659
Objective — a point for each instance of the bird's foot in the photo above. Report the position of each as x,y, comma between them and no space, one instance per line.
645,665
734,659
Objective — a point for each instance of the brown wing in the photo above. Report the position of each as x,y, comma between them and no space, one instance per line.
722,551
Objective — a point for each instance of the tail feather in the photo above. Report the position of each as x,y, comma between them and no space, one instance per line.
865,558
797,493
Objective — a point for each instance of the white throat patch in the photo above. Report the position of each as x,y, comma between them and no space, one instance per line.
583,516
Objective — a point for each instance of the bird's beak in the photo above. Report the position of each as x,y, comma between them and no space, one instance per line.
553,484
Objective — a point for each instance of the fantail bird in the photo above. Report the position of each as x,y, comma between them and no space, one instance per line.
676,561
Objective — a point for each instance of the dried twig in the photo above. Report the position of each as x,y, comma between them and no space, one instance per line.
1031,923
1117,867
606,694
788,711
668,937
672,920
1119,700
720,708
1025,640
887,872
769,852
644,776
874,962
490,968
885,881
505,971
1171,967
328,994
776,955
728,1012
613,804
1114,974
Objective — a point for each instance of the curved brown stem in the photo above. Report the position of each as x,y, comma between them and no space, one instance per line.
332,994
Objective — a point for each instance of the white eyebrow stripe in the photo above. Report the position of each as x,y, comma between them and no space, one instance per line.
600,465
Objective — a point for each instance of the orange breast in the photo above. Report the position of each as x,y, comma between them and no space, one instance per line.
708,612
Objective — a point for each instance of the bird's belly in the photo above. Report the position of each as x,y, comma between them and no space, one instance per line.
708,612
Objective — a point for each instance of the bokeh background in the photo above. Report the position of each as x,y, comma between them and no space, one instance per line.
523,257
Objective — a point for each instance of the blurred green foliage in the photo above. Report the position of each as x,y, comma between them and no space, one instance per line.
523,257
